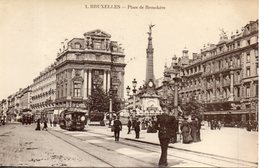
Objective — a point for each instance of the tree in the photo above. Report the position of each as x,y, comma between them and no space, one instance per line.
193,107
99,101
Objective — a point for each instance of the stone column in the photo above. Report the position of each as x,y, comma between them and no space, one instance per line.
252,89
231,85
69,87
221,85
105,81
89,82
108,80
85,84
122,84
214,87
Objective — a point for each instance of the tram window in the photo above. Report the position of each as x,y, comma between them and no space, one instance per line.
68,116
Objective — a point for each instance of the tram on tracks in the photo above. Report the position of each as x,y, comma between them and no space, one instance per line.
73,119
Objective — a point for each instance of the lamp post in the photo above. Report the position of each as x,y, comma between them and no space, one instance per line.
110,106
172,83
134,82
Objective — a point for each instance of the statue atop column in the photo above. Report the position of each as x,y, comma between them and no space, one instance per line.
150,29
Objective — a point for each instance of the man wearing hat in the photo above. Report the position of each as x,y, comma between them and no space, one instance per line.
165,124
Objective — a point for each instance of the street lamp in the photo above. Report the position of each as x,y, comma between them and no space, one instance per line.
134,82
110,106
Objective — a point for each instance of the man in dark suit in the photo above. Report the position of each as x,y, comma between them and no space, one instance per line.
129,124
137,128
117,128
165,124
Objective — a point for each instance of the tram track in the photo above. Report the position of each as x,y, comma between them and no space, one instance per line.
81,149
152,148
100,146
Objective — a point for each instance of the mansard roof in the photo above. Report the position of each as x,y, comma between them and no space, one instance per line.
97,33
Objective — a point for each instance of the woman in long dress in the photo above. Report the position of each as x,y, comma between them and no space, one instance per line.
38,127
194,130
185,131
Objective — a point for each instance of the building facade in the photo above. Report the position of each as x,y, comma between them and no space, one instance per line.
224,76
25,99
86,63
43,93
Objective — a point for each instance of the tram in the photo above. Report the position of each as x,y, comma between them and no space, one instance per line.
73,119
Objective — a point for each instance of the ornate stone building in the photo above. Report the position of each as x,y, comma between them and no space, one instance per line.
224,76
86,63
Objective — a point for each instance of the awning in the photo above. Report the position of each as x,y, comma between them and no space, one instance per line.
229,112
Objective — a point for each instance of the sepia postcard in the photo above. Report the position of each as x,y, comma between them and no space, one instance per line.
140,83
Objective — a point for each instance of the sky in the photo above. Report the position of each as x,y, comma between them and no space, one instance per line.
31,32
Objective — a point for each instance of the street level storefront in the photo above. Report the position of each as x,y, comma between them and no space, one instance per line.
230,115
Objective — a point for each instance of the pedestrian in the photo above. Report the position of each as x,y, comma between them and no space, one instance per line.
173,130
137,128
249,126
150,126
194,130
219,124
112,124
129,124
185,131
38,127
143,125
154,130
164,124
117,128
45,125
198,120
211,124
50,122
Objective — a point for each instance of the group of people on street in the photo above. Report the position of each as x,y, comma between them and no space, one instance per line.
215,124
190,130
38,126
166,125
117,127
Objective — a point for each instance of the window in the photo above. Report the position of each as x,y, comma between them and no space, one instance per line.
256,69
248,42
238,92
97,45
65,91
247,71
61,90
247,91
77,89
248,57
58,92
256,90
77,46
238,77
238,44
238,62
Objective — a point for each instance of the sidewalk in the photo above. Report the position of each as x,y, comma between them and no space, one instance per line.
228,142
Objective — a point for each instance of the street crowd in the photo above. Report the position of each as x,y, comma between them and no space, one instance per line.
188,130
167,127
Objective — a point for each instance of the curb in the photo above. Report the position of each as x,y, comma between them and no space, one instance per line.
187,150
